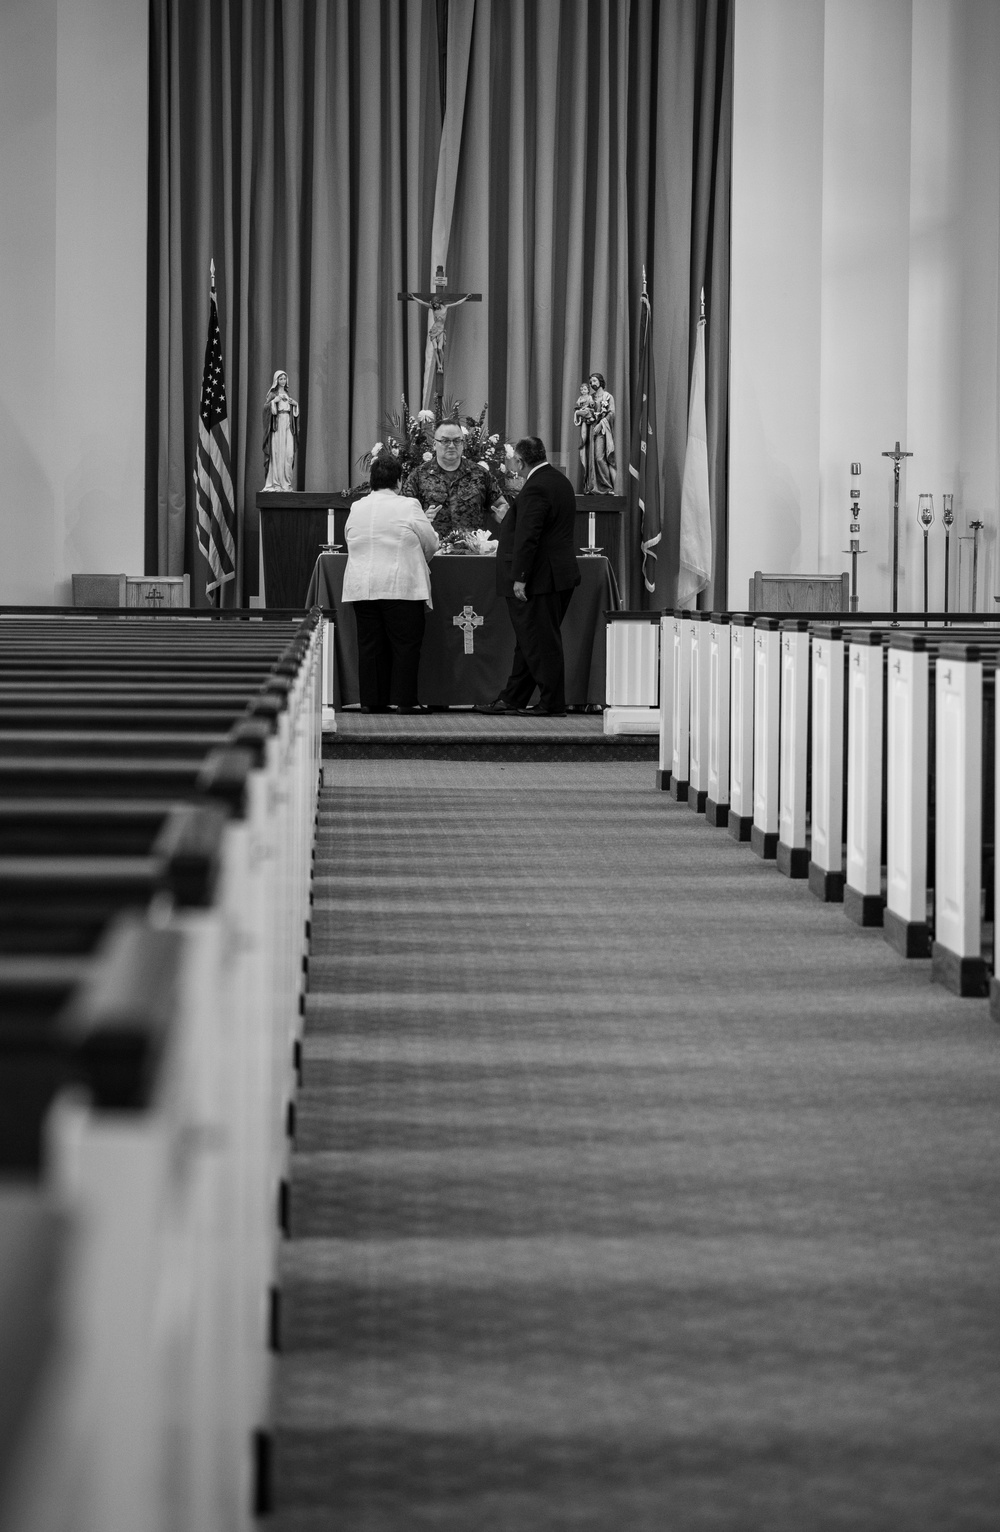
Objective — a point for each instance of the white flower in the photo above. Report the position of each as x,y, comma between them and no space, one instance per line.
465,430
395,451
425,415
428,456
484,464
377,449
494,440
508,449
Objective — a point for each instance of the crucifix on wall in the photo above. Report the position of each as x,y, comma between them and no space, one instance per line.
437,304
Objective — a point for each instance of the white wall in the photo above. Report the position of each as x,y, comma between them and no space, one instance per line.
902,342
775,297
73,146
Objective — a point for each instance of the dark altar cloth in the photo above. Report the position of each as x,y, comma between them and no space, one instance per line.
293,529
449,676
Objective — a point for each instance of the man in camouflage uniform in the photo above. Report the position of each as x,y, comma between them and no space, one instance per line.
454,493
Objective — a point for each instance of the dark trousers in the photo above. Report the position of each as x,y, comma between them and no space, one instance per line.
538,652
389,637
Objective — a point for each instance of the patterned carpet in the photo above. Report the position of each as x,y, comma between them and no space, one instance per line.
633,1188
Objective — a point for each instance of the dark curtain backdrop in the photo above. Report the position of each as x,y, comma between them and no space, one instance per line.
329,155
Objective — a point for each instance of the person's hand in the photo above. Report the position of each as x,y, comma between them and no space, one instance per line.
520,590
432,511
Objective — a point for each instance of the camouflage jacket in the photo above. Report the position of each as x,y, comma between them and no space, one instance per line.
464,494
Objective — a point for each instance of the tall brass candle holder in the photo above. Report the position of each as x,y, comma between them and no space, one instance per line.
948,517
855,539
975,527
925,516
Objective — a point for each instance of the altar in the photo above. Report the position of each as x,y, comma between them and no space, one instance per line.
294,526
469,642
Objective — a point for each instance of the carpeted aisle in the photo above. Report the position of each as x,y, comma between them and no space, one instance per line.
633,1189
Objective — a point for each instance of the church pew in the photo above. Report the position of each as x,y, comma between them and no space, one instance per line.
35,1255
741,727
909,751
138,1162
679,661
828,782
632,701
964,770
307,733
701,691
719,703
766,725
792,852
870,789
666,733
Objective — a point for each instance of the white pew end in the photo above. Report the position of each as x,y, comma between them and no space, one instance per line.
829,728
719,703
766,726
956,953
863,897
739,820
633,673
792,855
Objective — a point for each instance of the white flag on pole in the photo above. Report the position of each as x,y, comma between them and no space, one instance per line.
695,568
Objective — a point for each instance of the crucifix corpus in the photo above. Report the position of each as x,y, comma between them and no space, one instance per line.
437,304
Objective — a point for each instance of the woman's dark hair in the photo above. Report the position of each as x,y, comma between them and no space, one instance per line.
593,373
531,450
385,472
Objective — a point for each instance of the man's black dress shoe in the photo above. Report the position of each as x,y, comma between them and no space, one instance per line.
416,708
541,712
496,706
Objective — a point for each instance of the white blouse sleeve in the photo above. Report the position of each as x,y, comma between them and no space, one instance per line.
426,534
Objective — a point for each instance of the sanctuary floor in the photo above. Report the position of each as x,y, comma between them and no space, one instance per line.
632,1187
462,733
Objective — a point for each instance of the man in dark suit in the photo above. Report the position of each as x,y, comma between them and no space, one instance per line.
537,572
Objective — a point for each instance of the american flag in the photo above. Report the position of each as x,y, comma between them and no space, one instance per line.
213,475
644,463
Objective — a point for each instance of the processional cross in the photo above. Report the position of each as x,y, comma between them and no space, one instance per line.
897,456
468,620
437,304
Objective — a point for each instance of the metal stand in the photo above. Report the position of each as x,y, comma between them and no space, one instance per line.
926,556
855,549
948,517
897,455
975,527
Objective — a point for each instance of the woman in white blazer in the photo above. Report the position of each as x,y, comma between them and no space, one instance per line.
390,543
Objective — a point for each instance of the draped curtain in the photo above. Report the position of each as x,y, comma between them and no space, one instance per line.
330,153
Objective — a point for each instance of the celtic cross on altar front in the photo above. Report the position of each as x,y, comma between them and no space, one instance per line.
468,620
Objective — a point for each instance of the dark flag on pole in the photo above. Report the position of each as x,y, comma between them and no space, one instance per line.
213,475
644,460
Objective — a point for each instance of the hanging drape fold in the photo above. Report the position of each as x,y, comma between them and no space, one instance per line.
303,145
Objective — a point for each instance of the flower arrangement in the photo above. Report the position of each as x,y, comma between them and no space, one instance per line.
411,440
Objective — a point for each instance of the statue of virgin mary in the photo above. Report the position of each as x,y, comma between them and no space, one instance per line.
281,434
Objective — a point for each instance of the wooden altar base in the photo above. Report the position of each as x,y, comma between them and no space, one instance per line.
459,734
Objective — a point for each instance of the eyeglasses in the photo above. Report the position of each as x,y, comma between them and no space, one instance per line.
448,443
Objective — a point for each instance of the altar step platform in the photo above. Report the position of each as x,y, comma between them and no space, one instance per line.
461,734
